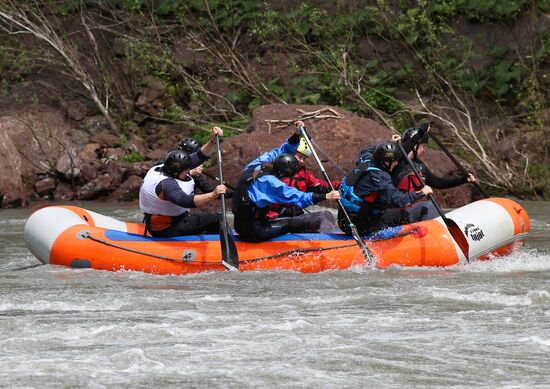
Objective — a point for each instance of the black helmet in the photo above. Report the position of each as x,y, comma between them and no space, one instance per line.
385,153
410,132
189,145
285,165
175,162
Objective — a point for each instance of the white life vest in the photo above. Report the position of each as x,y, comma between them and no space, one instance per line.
150,203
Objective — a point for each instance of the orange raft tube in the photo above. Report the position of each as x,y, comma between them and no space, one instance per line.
78,238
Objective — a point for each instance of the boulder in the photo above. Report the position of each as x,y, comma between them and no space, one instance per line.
106,139
89,152
149,99
31,142
114,154
99,186
45,186
89,171
68,166
128,190
138,144
77,110
64,192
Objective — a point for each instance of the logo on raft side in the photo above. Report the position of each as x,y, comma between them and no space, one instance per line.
476,233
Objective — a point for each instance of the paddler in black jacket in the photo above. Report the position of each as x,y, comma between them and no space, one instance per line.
404,178
371,199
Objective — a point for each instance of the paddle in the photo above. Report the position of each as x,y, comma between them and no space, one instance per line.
230,256
364,249
456,162
328,157
453,228
218,180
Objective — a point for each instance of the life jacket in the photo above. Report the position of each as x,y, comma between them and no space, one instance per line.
160,213
243,208
406,180
353,203
152,204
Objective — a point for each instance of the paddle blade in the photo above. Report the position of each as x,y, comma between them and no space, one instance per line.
458,236
364,249
230,256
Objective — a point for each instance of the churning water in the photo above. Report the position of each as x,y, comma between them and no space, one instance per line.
483,324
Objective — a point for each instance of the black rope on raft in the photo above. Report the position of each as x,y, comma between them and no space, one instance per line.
87,235
297,252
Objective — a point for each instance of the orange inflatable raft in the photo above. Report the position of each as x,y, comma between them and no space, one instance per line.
79,238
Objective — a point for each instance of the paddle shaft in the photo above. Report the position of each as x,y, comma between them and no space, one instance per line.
228,263
220,174
364,249
457,163
218,180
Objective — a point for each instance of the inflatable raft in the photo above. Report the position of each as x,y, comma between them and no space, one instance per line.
79,238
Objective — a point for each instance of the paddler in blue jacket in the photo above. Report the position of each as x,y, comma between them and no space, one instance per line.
371,199
260,185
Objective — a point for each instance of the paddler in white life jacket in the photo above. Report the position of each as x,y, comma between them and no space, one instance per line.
168,191
404,178
371,199
260,185
203,183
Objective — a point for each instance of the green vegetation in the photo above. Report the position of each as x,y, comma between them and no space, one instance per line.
133,156
474,63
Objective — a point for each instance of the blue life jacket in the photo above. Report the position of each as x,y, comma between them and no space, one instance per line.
351,202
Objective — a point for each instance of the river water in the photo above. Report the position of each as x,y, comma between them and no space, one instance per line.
484,324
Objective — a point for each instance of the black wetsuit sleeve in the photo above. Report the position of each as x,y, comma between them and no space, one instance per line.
318,197
197,158
203,183
172,192
443,182
318,189
206,186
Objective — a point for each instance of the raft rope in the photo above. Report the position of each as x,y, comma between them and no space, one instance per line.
88,235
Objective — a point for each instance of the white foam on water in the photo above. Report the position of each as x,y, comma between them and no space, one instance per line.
63,306
291,325
212,298
537,340
530,298
135,360
522,260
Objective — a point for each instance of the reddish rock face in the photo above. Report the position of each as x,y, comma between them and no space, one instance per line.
30,147
38,156
128,190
